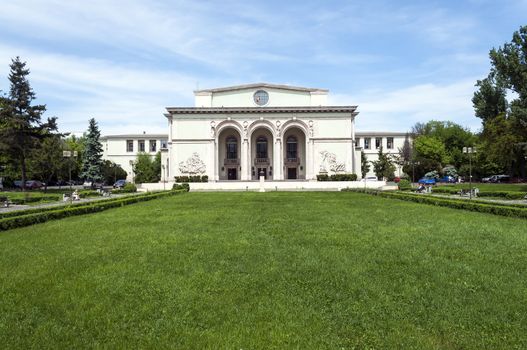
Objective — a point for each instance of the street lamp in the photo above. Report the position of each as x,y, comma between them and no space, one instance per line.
69,155
469,151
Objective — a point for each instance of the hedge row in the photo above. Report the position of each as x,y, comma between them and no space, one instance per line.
499,194
477,206
45,214
193,178
337,177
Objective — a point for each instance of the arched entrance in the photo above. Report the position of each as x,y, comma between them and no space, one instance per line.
262,154
229,148
294,153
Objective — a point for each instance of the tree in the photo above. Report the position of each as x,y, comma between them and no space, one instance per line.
47,162
73,143
383,166
112,172
146,169
430,153
364,164
504,124
92,157
21,127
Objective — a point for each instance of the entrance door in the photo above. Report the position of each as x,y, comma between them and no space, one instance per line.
291,173
232,174
262,171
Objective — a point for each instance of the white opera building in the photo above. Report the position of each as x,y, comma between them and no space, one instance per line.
279,132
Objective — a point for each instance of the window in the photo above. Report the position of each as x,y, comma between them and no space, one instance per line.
261,98
153,145
129,145
357,142
232,148
164,144
141,145
261,147
291,147
378,142
367,143
389,142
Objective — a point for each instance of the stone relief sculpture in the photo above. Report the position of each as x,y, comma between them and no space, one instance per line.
329,162
193,165
310,128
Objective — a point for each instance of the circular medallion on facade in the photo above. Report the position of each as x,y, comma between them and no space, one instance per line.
261,97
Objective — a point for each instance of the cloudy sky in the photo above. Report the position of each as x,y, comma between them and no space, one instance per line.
122,62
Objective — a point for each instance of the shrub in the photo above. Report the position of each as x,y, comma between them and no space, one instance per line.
192,178
337,177
322,177
205,178
405,185
184,186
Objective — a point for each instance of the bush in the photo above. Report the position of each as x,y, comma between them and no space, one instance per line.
184,186
337,177
22,218
405,185
193,178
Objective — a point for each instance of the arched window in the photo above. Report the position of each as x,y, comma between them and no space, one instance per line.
292,147
232,148
261,147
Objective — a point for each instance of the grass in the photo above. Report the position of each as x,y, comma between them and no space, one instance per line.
267,270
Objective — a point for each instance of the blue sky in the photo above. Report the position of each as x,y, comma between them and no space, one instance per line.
123,62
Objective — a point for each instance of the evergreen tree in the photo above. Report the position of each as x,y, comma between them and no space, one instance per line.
21,128
383,166
92,157
364,164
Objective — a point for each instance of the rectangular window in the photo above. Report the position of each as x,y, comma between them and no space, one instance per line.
141,145
164,144
153,144
389,143
129,145
378,142
367,143
357,142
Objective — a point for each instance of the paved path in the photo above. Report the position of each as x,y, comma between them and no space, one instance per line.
15,207
484,199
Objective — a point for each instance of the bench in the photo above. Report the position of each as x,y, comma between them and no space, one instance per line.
5,202
467,193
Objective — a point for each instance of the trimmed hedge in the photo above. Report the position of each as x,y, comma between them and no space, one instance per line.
185,187
477,206
44,214
337,177
127,188
192,178
498,194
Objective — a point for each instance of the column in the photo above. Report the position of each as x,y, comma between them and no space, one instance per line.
215,161
310,161
277,160
244,161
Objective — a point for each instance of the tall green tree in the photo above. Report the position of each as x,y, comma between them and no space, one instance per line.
383,166
92,157
47,161
147,169
508,74
364,164
21,125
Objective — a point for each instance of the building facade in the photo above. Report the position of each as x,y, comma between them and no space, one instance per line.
276,131
242,132
123,149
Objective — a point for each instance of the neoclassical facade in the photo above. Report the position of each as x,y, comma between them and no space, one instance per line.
243,132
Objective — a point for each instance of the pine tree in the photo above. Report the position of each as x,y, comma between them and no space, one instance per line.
364,164
383,166
92,158
21,128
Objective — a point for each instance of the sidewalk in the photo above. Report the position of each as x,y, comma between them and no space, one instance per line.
16,207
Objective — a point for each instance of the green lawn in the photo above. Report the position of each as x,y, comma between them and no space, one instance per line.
267,270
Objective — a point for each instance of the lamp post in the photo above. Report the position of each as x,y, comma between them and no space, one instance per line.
469,151
69,155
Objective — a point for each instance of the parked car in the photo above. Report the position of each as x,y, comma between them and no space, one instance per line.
17,184
448,179
427,181
34,184
502,178
119,184
89,185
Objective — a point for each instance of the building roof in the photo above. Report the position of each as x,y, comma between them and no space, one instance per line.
238,110
134,136
260,85
379,133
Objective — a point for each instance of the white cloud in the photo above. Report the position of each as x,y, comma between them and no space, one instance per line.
400,109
